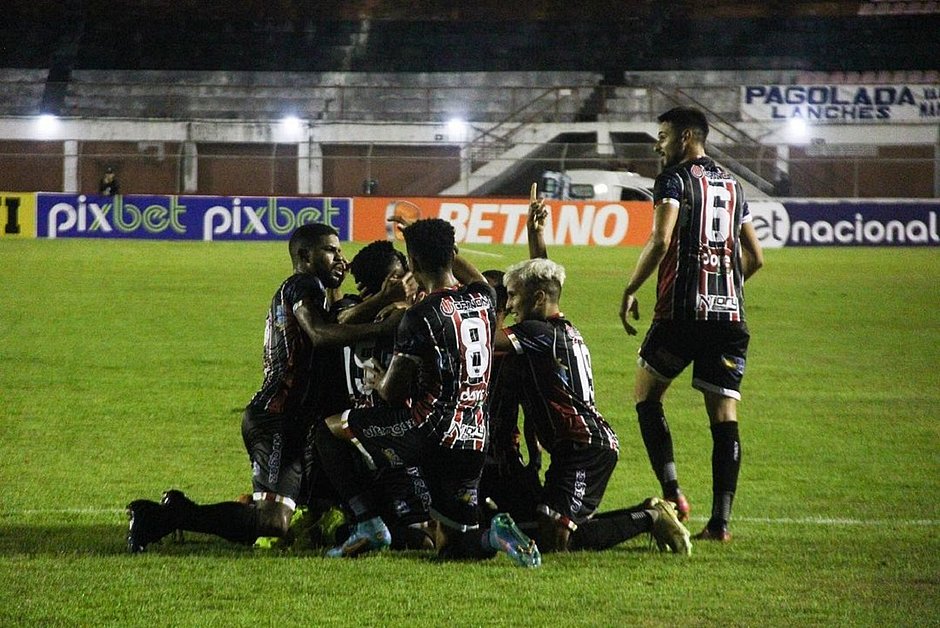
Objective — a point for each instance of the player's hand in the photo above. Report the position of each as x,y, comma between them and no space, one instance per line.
629,307
399,288
537,210
390,316
372,374
401,221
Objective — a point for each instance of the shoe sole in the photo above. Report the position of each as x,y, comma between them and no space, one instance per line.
685,537
522,550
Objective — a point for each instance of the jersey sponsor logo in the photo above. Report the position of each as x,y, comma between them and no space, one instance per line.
733,363
393,458
396,429
717,303
580,488
475,304
470,432
472,396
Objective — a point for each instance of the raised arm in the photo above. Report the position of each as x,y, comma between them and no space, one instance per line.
323,333
535,224
395,288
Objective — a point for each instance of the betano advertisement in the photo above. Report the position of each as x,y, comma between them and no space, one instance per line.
807,222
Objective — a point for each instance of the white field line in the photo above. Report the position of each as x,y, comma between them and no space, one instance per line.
818,521
483,253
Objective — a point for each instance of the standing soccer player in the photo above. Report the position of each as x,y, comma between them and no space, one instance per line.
705,247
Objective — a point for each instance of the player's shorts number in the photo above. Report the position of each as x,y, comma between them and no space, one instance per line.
473,336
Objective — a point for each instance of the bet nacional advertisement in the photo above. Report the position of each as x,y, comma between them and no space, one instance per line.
815,222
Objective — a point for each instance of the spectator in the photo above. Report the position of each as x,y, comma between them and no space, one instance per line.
109,184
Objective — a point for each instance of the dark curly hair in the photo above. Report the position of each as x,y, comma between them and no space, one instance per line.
370,265
431,243
495,279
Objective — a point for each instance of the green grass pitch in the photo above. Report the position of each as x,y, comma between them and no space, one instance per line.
124,367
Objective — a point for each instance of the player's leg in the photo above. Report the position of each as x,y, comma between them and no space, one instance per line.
275,447
726,464
274,444
453,477
339,448
718,374
662,358
575,483
405,505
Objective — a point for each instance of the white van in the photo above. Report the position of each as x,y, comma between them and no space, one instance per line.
605,185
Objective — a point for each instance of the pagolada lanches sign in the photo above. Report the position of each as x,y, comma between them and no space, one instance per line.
841,104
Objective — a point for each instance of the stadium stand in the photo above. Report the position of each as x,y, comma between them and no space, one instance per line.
501,68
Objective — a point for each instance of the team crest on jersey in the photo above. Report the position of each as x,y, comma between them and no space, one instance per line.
447,306
697,171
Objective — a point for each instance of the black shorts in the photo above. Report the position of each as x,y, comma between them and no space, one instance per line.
716,349
275,444
388,437
403,495
575,482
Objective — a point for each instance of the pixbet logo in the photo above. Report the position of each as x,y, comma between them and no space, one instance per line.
115,217
240,218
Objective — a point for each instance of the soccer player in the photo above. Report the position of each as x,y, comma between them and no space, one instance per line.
705,247
443,352
553,372
277,419
401,492
508,482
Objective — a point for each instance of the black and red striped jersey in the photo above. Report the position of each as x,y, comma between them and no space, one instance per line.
290,383
556,383
449,334
700,276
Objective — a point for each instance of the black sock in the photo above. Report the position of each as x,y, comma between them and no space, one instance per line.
341,462
469,545
610,529
726,463
232,521
658,441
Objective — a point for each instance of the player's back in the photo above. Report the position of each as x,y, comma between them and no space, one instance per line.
450,334
700,276
557,383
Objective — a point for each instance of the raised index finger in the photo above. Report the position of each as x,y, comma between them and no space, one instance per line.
534,194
